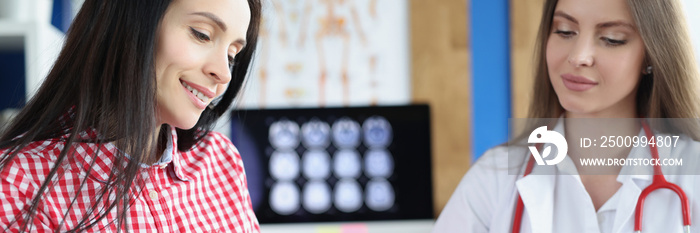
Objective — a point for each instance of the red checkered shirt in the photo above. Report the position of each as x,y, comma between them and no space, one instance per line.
200,190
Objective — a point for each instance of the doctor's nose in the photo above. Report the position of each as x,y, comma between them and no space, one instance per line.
582,54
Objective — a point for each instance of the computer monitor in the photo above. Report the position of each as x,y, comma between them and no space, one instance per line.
307,165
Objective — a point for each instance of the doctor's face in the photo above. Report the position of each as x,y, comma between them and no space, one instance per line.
197,40
594,57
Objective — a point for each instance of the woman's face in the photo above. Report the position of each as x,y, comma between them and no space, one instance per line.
197,41
594,57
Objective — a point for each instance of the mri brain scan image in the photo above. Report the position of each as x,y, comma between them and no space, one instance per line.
284,134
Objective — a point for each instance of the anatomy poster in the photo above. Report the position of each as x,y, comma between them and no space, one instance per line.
318,53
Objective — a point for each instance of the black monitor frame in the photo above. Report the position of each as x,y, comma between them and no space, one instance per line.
410,147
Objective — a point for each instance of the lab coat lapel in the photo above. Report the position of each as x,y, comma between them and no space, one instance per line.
629,193
537,192
634,180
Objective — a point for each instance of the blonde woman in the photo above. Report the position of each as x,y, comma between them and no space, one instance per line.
600,65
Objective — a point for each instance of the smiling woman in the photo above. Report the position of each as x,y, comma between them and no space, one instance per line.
584,54
194,57
118,137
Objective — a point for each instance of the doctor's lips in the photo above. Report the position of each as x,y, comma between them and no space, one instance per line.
577,83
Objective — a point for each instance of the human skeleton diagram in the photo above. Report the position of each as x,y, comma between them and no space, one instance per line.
335,25
317,39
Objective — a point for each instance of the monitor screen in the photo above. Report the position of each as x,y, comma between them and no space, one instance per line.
337,164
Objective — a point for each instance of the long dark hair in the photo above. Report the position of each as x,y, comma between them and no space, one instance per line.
99,82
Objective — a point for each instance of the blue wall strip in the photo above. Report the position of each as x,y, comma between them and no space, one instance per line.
490,42
61,15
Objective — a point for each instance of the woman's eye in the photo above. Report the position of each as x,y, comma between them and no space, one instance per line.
199,35
231,63
565,34
612,42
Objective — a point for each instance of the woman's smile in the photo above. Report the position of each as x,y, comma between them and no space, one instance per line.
199,95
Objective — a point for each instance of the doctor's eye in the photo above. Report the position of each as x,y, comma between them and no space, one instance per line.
613,43
199,35
565,34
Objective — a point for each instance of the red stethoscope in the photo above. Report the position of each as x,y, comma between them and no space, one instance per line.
659,182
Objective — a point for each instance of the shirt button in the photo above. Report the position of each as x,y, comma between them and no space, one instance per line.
162,166
153,195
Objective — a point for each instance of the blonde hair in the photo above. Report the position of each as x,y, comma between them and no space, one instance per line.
669,92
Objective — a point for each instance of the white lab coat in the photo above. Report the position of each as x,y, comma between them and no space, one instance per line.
485,200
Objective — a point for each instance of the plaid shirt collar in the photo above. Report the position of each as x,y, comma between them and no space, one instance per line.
84,153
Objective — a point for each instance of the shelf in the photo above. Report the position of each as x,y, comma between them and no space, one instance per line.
13,28
12,35
396,226
40,43
11,43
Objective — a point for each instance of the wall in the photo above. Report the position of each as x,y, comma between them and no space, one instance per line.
692,7
441,77
525,20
